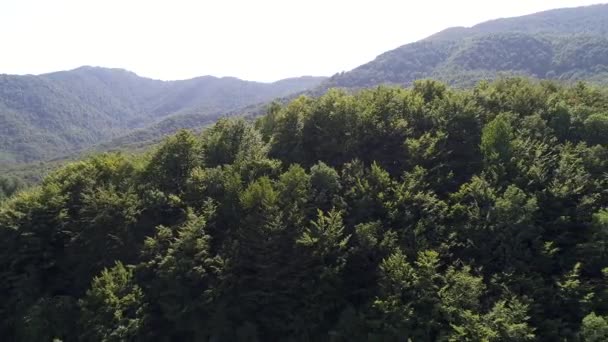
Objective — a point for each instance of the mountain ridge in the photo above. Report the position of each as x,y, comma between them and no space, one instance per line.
572,41
101,69
539,22
44,116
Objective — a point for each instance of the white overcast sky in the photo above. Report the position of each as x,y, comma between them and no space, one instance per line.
261,40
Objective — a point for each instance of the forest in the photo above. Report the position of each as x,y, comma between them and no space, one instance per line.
388,214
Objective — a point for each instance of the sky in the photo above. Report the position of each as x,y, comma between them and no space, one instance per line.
263,40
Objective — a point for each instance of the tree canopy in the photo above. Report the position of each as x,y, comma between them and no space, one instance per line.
422,214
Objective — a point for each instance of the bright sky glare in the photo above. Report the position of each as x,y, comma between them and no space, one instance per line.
262,40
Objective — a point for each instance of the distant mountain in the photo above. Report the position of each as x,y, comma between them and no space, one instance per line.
579,20
565,44
59,113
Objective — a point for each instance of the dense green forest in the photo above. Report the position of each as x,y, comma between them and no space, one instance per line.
422,214
61,113
565,44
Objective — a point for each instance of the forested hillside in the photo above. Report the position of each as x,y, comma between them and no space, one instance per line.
564,44
583,20
422,214
55,114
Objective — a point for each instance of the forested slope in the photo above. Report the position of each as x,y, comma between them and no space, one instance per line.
60,113
565,44
582,20
429,214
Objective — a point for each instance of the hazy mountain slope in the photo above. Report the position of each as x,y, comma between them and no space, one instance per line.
197,117
58,113
566,44
210,94
39,117
588,19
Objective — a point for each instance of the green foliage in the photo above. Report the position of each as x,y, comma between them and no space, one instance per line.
231,141
9,186
179,277
428,214
112,308
326,235
596,129
496,140
171,165
594,328
419,303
